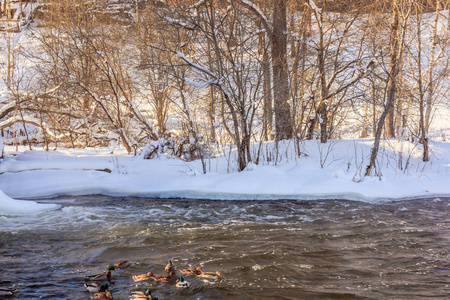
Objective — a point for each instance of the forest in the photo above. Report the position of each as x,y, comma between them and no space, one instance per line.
191,78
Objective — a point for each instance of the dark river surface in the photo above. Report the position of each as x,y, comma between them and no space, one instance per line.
330,249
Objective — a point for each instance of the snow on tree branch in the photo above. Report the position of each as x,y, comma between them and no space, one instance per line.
216,80
317,11
180,23
200,84
198,4
255,9
196,66
314,6
6,109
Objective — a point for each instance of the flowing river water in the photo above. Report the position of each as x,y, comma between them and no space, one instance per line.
330,249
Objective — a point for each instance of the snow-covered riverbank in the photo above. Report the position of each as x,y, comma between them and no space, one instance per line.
324,171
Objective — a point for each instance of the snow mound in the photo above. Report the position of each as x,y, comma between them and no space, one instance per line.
12,207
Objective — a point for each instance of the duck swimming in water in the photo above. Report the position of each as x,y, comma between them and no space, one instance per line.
138,295
181,283
121,264
106,295
170,267
7,291
200,273
101,276
95,287
171,275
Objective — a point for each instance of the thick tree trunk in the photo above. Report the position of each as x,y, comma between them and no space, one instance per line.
283,123
323,122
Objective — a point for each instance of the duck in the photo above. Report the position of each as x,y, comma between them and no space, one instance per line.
106,295
95,287
170,267
122,264
169,277
191,271
158,278
181,283
138,295
106,275
200,273
7,291
143,277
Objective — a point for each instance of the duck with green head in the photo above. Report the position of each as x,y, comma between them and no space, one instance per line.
181,283
106,275
95,287
138,295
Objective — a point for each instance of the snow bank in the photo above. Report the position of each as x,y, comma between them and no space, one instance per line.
76,164
12,207
36,160
324,171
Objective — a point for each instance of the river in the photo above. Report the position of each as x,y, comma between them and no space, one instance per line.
330,249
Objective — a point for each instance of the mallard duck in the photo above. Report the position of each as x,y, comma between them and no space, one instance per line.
122,264
181,283
143,277
138,295
170,268
158,278
106,295
200,273
191,271
95,287
101,276
215,275
170,276
7,291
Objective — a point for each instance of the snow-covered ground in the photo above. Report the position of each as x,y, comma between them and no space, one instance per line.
323,171
12,207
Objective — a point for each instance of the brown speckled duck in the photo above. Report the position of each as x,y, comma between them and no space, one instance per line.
106,295
122,264
171,275
200,273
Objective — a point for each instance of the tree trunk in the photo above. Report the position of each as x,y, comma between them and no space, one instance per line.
283,123
311,125
434,42
322,109
267,91
393,72
10,63
390,97
323,113
422,123
19,14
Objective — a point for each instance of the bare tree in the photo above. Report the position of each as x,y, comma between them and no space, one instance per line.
396,49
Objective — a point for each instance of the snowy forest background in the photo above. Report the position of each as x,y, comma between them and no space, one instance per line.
196,79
